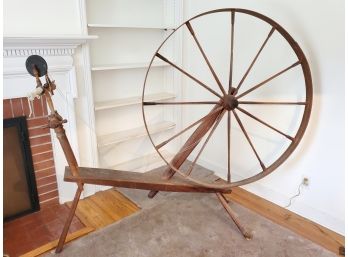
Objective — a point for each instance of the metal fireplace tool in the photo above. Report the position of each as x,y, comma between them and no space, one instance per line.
228,102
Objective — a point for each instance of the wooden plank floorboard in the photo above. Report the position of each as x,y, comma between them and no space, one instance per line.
91,214
104,208
298,224
114,204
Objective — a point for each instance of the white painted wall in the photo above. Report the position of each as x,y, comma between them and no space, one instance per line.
318,27
40,17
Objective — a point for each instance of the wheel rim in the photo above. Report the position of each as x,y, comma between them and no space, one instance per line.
231,100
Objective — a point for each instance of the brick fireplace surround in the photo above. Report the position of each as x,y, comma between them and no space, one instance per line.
40,145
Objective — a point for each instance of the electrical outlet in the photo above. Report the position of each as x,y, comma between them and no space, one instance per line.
305,181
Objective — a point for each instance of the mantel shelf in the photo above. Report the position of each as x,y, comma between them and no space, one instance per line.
134,133
144,163
131,101
45,41
134,65
119,26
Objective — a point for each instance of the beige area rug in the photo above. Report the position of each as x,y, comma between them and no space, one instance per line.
190,224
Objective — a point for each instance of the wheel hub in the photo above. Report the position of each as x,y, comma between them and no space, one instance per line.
230,102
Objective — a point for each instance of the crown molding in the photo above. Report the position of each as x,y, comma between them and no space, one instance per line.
26,45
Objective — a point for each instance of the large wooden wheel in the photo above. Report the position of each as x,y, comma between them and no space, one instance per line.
230,102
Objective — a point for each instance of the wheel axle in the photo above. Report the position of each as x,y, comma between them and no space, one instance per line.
230,102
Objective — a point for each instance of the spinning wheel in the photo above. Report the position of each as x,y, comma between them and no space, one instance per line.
230,102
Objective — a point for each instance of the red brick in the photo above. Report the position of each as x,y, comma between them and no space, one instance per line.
45,173
47,188
7,109
25,104
46,180
37,104
49,203
19,234
40,140
44,105
36,122
47,196
41,148
38,131
42,157
43,165
17,107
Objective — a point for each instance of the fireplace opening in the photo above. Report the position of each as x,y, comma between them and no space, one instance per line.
20,191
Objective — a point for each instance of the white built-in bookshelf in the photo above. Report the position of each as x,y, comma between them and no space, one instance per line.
129,32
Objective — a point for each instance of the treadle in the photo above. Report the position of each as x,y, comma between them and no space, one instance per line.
128,179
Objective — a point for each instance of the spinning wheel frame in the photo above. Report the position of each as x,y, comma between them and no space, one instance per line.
229,100
37,67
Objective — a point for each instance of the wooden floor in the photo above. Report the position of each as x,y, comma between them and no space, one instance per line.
104,208
109,206
95,212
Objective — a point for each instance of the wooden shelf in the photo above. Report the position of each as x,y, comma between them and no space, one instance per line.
131,101
119,26
144,163
135,65
130,134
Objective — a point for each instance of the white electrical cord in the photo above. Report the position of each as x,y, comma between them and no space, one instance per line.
293,197
303,183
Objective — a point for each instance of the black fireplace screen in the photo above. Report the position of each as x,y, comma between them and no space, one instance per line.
20,192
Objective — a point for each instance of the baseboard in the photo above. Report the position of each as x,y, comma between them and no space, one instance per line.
251,195
276,197
298,224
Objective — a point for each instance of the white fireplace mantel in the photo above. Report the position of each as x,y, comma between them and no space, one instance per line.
25,42
58,52
57,46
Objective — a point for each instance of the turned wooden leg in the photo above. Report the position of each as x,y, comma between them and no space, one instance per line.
233,216
228,201
69,219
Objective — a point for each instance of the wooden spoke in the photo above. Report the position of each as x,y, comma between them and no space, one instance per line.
231,56
205,142
188,25
276,103
247,137
269,79
255,58
188,75
233,101
179,103
229,147
191,146
264,123
187,128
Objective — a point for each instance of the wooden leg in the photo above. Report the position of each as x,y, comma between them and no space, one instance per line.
227,201
69,219
233,216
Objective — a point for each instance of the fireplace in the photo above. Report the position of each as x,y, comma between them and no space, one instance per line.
20,192
37,151
48,158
